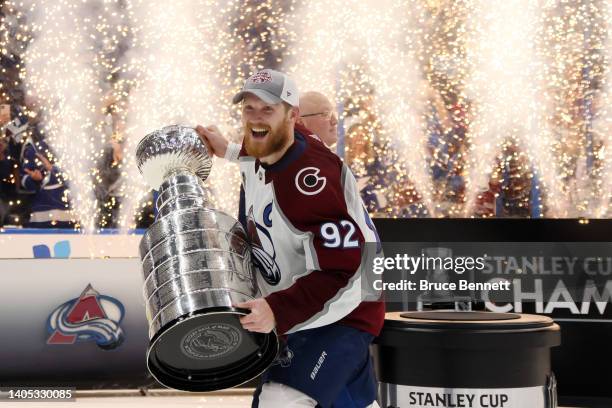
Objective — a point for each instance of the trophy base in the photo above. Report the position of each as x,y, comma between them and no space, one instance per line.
209,350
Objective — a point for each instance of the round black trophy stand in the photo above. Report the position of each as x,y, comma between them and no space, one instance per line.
471,359
209,351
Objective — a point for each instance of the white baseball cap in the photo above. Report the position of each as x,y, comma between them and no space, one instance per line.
270,86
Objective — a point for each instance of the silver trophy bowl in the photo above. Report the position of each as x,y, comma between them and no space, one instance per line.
196,263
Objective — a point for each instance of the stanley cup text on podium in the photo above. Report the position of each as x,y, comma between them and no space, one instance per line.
197,264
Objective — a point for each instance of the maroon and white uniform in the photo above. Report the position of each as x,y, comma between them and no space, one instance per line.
307,226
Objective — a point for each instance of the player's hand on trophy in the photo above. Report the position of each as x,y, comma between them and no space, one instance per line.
216,142
261,319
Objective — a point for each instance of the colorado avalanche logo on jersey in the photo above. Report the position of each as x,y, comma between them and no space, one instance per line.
308,181
90,317
263,247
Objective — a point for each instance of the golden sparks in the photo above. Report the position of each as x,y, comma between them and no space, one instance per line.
449,108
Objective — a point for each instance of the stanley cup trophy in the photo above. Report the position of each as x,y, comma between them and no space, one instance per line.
197,264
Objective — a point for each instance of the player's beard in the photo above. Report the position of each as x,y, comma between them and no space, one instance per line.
275,140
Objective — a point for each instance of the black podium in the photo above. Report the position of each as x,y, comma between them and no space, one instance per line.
581,363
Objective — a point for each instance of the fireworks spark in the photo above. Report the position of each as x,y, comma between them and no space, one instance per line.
449,107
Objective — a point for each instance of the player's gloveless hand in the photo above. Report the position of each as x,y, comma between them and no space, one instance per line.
45,162
35,174
213,138
261,319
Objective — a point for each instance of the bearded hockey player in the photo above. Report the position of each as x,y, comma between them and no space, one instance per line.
308,227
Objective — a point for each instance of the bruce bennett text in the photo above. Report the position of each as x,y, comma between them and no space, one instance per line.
424,284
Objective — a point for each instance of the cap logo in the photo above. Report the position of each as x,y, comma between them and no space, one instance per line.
261,77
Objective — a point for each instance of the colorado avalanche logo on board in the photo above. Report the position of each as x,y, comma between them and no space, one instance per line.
90,317
308,181
262,246
261,77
